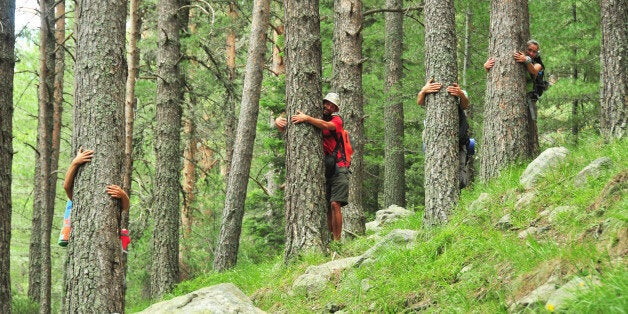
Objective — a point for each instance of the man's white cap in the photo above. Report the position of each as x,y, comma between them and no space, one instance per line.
333,98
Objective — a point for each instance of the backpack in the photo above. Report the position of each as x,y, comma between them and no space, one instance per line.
540,84
463,128
343,144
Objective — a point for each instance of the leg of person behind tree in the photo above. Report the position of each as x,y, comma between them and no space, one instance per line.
329,220
336,220
338,189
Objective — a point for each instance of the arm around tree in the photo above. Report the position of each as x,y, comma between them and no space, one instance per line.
301,117
82,156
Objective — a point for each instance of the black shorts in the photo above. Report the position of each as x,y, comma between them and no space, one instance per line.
338,187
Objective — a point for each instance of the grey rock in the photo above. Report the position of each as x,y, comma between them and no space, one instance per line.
365,284
397,236
548,159
504,223
525,199
528,232
554,214
390,214
592,171
221,298
568,292
316,277
480,202
539,295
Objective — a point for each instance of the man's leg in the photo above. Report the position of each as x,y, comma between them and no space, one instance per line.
336,220
329,219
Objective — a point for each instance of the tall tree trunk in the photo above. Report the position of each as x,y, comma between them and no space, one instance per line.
43,197
189,166
441,132
130,102
165,272
575,127
94,280
278,64
7,63
55,14
467,41
189,184
189,150
506,110
305,190
226,254
394,164
230,112
531,144
348,83
613,77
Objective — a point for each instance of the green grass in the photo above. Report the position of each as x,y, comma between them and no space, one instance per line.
469,265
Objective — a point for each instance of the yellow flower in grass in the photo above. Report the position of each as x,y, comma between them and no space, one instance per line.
549,307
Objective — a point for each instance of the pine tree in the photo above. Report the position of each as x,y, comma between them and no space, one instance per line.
505,133
305,192
165,264
7,63
613,77
94,279
441,116
226,254
347,81
394,161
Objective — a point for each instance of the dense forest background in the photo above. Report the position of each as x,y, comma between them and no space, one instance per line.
568,31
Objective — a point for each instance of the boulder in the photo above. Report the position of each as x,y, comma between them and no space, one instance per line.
388,215
396,238
548,159
591,171
221,298
568,292
316,277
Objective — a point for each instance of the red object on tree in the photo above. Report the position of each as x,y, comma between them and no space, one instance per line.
125,239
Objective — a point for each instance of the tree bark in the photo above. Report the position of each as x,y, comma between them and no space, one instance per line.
226,254
278,64
305,191
165,272
394,164
45,182
189,173
531,145
230,106
7,64
575,127
189,185
94,280
441,131
347,68
189,150
504,138
466,60
130,102
55,13
613,77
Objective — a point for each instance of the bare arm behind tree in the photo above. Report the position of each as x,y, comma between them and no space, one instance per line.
82,156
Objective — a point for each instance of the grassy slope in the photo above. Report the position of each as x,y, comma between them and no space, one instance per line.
499,267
